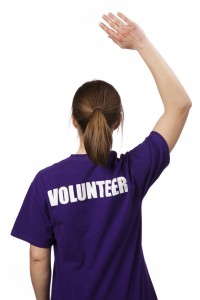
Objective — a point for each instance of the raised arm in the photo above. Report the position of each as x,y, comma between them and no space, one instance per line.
128,35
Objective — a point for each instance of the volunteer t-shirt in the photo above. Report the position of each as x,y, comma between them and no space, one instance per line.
92,217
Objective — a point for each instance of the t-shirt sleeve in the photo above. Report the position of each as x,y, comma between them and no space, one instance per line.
148,160
33,223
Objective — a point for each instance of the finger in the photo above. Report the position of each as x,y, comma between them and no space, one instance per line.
124,18
118,43
109,31
117,21
112,23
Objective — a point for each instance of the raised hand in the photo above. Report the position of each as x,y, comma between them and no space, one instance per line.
125,33
128,35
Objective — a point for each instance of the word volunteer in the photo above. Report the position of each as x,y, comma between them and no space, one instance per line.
88,190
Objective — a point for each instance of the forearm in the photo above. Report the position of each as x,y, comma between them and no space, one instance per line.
41,277
171,90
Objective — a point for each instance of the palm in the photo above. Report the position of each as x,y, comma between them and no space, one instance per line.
124,32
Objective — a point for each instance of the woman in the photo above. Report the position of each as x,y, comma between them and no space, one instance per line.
88,206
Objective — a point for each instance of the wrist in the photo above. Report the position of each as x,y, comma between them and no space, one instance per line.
145,46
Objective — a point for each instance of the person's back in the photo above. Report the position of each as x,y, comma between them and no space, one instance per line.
88,206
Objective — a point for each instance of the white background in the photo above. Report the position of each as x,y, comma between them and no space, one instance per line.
47,50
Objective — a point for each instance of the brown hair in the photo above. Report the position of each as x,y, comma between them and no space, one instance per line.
97,107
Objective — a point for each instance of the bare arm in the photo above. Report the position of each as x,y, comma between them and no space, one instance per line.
129,35
40,270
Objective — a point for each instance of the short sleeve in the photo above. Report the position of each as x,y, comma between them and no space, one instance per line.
148,160
33,223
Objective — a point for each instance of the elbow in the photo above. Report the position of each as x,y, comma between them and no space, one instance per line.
189,103
186,105
183,105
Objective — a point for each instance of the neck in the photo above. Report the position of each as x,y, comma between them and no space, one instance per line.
81,149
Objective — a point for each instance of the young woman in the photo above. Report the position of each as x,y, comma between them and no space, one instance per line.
88,206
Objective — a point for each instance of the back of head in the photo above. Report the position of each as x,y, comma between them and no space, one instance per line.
97,109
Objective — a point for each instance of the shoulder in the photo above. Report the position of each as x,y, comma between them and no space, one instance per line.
49,173
151,151
154,141
147,160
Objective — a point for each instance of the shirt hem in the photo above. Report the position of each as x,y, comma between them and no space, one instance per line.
30,240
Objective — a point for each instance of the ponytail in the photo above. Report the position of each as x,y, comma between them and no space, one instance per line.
97,109
98,138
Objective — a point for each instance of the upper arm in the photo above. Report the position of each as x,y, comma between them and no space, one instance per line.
39,254
147,161
170,125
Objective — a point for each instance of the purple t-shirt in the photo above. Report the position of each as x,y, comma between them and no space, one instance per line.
92,217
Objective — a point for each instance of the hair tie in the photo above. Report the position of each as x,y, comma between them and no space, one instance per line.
97,108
